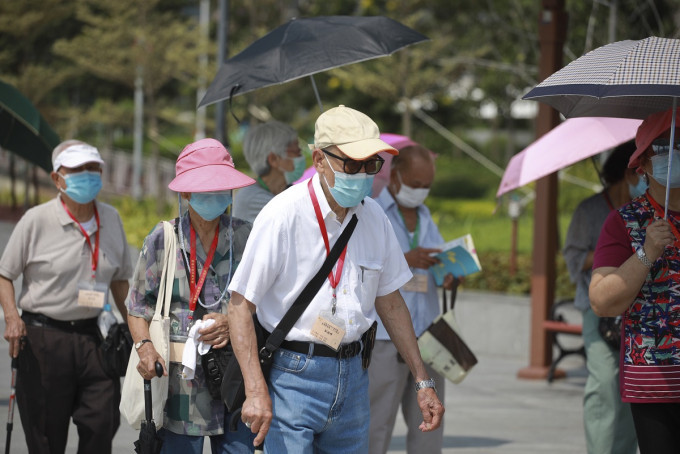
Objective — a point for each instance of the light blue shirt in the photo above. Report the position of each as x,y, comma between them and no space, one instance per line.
424,307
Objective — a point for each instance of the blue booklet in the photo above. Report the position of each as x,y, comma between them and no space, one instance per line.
457,257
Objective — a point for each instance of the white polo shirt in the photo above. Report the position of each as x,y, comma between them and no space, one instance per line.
285,250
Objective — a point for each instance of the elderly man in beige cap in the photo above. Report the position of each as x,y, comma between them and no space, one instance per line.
70,252
316,397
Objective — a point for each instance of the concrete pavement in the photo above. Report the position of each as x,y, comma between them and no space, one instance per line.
491,412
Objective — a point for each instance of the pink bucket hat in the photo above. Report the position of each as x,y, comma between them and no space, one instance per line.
206,166
652,127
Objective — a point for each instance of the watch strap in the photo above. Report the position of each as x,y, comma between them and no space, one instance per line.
139,344
426,384
643,257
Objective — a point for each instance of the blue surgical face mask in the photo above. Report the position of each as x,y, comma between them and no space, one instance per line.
82,187
636,190
660,169
350,190
210,205
296,173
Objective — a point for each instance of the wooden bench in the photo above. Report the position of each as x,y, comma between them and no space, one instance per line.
557,324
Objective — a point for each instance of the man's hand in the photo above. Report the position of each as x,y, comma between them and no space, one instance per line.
147,361
216,334
432,409
257,414
15,329
420,257
451,282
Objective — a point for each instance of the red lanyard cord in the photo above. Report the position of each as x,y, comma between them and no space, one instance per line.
334,280
95,250
194,287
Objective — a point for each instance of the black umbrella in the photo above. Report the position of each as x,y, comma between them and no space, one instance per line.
149,442
12,397
23,130
306,46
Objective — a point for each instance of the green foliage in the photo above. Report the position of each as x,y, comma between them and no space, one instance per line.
139,217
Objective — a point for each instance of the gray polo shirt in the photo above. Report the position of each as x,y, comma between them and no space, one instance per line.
249,201
48,248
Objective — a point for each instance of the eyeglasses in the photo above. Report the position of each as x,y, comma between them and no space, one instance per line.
351,166
662,146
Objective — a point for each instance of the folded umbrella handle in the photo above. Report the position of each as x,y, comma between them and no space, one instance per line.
148,404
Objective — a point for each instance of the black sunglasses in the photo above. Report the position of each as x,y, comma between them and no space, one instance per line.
351,166
662,146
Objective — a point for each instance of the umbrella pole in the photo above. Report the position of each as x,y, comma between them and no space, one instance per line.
316,93
670,158
12,398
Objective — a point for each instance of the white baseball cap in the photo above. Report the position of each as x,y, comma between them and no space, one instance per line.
353,132
76,155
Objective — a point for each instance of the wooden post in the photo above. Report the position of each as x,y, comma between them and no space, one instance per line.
552,35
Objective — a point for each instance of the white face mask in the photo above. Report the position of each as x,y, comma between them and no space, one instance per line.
410,197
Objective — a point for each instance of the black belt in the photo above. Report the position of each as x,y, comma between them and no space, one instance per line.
345,351
83,326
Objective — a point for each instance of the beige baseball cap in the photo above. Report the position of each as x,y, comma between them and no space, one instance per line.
353,132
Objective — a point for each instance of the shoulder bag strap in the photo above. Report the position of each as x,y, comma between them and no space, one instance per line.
169,266
454,293
305,297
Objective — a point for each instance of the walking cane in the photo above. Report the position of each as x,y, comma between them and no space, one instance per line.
10,415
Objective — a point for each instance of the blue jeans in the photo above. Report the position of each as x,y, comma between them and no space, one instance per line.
320,405
239,442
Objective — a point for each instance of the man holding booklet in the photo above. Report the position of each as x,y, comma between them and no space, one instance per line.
390,382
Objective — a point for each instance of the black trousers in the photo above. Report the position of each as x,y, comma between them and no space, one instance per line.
657,427
60,377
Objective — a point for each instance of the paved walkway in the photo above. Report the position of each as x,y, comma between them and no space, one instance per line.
491,412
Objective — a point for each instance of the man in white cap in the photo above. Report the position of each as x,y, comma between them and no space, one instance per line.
316,396
70,251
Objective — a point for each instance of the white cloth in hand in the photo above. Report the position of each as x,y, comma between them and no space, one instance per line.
193,345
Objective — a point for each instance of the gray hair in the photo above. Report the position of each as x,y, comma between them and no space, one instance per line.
270,137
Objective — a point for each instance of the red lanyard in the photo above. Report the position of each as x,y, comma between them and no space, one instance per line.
658,212
334,280
193,286
95,250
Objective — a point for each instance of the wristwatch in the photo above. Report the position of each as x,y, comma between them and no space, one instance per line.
643,257
139,344
426,384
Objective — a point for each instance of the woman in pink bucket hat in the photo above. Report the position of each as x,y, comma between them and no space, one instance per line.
210,245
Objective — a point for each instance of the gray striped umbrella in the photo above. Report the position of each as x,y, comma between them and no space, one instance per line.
625,79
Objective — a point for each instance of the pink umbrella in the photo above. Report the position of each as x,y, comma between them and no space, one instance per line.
572,141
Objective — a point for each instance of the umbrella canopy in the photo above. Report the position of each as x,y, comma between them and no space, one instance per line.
23,130
572,141
625,79
307,46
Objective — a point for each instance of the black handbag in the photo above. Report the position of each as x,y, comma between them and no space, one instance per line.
115,350
233,388
610,330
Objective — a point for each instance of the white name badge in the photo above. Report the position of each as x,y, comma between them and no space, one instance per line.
329,330
92,294
418,283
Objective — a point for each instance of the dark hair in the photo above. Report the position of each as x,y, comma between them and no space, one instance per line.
614,168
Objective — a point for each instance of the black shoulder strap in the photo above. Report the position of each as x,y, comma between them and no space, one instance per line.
454,293
305,297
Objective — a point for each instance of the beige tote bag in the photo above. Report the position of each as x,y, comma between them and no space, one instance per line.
132,394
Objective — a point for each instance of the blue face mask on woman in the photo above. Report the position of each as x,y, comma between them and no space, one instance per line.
82,187
350,190
210,205
296,173
660,169
636,190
